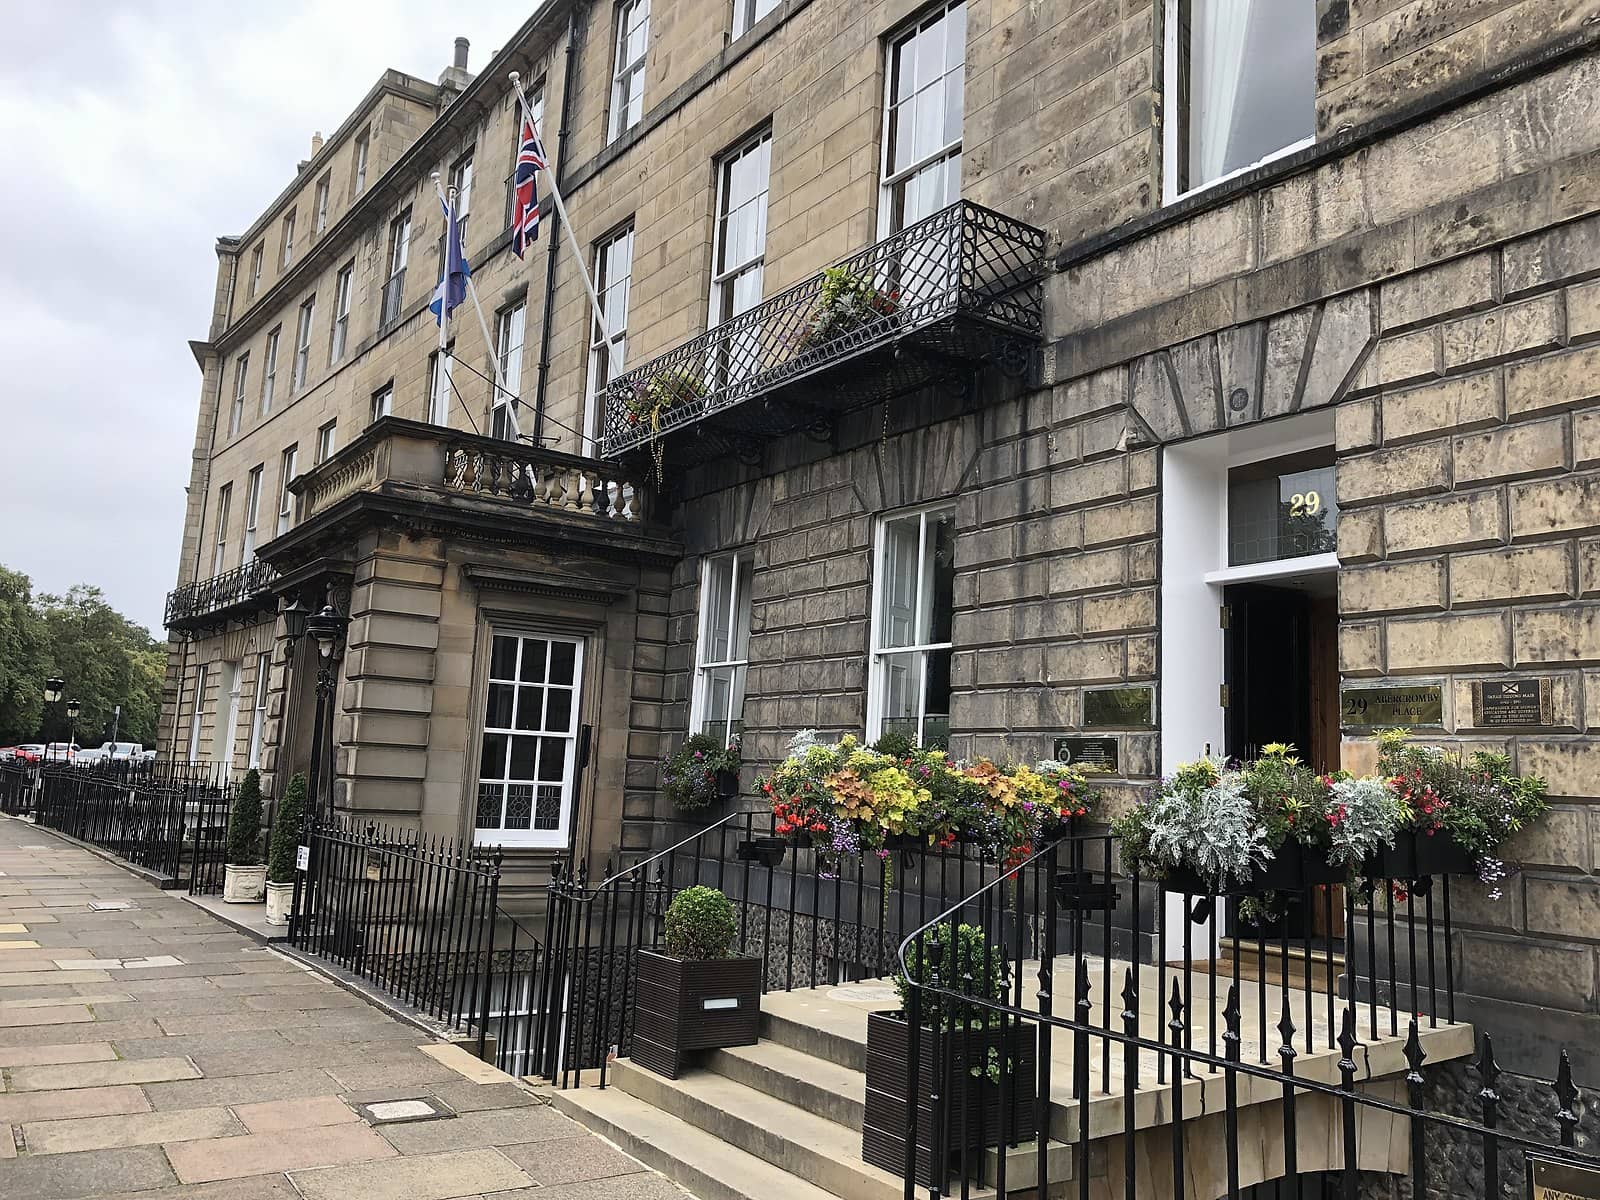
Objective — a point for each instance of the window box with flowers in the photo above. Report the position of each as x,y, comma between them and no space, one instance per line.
648,400
847,302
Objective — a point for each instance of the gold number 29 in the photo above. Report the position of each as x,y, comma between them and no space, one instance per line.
1305,504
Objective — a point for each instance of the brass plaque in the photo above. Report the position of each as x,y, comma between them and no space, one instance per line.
1376,707
1097,752
1119,707
1513,702
1552,1180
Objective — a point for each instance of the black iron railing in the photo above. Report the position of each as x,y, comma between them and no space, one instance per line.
1195,1027
245,587
961,285
419,918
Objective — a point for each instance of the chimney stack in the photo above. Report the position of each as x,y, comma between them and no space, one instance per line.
460,62
455,78
316,143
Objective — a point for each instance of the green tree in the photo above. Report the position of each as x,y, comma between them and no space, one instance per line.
286,825
244,823
106,660
22,670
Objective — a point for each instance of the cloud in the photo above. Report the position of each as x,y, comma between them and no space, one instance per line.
137,134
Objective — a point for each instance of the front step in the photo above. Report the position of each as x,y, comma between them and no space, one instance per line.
692,1158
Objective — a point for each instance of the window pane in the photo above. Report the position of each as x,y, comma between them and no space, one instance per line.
533,656
939,579
490,799
523,752
558,709
719,580
552,758
492,762
530,708
498,715
548,813
899,675
1281,509
936,699
563,659
519,806
898,588
1252,83
503,658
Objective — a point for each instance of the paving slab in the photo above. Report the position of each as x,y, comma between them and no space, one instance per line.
44,1056
56,1176
267,1153
101,1074
277,1116
85,1102
55,1014
571,1160
506,1127
255,1187
136,1129
241,1089
428,1177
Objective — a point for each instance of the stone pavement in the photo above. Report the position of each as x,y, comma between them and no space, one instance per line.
148,1050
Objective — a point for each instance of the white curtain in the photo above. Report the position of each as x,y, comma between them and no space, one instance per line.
1216,64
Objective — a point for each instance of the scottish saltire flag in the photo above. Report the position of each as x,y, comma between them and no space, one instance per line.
452,289
525,204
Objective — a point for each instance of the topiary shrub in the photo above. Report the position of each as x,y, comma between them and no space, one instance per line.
244,823
286,827
966,963
700,925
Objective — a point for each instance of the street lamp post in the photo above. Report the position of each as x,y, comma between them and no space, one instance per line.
73,709
326,628
53,687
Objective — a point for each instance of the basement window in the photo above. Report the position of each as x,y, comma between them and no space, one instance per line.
1243,74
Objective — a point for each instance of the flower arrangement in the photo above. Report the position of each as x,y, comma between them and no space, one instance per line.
846,302
1477,801
1200,819
646,400
692,778
847,798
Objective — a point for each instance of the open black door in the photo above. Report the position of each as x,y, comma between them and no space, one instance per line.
1267,663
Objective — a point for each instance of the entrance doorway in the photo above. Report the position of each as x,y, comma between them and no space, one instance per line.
1281,672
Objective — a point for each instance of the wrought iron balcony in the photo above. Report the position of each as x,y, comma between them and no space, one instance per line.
232,595
959,288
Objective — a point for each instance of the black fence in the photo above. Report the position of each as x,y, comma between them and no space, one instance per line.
170,818
1195,1029
419,918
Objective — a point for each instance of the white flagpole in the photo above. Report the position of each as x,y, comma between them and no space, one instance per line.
483,325
566,225
441,363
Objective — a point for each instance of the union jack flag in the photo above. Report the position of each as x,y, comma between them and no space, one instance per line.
525,202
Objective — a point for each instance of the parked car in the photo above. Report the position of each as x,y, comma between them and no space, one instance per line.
87,756
145,756
8,753
31,754
62,752
110,752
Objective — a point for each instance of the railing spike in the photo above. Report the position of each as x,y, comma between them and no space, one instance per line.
1415,1054
1567,1096
1488,1071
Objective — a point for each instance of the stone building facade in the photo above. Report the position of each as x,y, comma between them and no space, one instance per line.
1387,297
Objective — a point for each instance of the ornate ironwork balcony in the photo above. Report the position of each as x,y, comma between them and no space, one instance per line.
956,289
233,595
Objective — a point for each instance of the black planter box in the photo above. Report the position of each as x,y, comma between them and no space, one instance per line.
1416,855
727,784
683,1005
1292,869
885,1127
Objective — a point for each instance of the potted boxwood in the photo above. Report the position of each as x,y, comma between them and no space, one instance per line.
244,876
702,773
971,1042
694,993
285,842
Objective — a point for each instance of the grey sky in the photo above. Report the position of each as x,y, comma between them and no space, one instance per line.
134,135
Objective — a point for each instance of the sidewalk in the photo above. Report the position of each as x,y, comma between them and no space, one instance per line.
148,1050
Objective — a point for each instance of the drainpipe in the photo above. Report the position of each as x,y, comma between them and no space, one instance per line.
567,87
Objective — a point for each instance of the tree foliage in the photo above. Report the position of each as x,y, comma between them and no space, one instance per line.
244,823
287,824
105,659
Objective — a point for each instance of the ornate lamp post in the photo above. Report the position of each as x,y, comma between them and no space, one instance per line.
326,628
53,687
73,709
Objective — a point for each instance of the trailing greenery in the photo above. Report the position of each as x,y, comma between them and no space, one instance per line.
244,823
689,777
286,829
845,302
700,924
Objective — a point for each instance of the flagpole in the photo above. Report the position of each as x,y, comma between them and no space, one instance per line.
441,363
566,225
483,324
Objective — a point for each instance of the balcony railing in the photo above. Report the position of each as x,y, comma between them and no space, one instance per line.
448,476
960,287
222,597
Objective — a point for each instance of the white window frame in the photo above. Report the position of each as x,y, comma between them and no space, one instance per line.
440,390
599,356
324,185
724,277
252,512
559,837
704,666
339,336
199,708
241,375
626,72
746,13
1175,114
382,403
878,658
511,322
225,739
399,255
461,180
288,239
256,257
327,441
258,712
289,463
269,373
889,180
302,345
220,554
358,171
